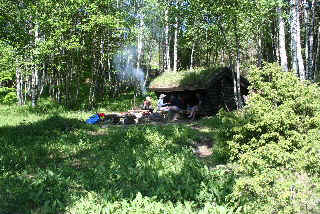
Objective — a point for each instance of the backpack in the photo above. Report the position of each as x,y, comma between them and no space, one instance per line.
93,119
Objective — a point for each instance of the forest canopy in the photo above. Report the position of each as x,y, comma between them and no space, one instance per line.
81,53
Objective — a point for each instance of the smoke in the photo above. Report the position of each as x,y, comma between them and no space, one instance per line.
125,62
148,32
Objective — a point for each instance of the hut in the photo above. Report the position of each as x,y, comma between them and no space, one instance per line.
214,85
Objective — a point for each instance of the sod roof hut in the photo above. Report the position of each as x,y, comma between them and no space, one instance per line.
215,86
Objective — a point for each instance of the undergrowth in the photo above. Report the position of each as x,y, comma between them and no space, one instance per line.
52,162
274,145
265,158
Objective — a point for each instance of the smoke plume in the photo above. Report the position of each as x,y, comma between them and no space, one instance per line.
125,62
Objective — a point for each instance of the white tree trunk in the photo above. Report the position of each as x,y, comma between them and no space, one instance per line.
259,63
166,45
34,87
191,57
306,25
236,78
139,51
35,72
317,56
140,42
175,46
238,89
309,43
282,41
19,83
294,39
302,73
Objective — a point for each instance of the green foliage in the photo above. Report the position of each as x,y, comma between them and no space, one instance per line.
8,95
275,137
147,205
7,74
7,62
52,162
197,78
276,191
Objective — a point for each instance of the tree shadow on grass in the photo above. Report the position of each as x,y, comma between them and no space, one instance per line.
51,164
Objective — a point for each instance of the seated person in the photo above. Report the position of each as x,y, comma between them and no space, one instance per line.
196,107
162,106
177,104
147,105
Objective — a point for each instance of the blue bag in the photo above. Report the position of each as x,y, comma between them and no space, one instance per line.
93,119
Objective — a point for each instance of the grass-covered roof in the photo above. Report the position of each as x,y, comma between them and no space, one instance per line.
183,80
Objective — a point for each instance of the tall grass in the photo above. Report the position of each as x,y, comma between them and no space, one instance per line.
52,162
196,78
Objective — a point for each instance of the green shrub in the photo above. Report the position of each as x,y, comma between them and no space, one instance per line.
277,131
8,95
144,205
275,191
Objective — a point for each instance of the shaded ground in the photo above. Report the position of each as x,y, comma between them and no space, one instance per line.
202,148
51,164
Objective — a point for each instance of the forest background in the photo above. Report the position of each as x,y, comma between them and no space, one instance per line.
59,59
81,53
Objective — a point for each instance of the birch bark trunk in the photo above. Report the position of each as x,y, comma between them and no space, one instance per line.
302,73
306,26
140,42
309,43
317,56
35,72
166,45
259,63
191,56
237,88
293,31
175,46
19,83
282,41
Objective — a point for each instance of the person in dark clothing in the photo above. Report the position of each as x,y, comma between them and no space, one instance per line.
177,104
195,108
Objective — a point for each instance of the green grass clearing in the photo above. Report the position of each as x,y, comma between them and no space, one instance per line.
55,163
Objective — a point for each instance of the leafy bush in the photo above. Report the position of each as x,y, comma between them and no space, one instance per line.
146,205
8,96
277,132
7,73
276,191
